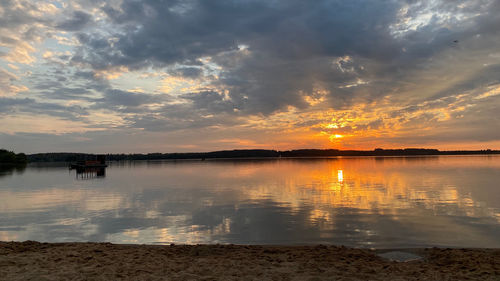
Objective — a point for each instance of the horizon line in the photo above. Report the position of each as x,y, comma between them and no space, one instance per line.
277,150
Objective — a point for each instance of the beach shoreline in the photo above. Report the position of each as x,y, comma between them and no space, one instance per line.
32,260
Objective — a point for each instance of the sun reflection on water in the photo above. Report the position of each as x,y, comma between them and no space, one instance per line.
213,201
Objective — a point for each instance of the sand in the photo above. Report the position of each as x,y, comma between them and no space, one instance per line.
104,261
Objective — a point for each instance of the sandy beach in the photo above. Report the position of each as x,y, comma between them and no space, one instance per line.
104,261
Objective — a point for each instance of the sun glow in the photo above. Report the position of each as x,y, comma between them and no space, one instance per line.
365,188
332,126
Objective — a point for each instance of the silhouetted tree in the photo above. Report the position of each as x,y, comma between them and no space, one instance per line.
9,157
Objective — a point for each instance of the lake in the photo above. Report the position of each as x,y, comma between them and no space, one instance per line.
371,202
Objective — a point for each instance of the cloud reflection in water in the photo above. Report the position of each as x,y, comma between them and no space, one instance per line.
367,202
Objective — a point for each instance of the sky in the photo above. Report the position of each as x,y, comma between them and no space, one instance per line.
125,76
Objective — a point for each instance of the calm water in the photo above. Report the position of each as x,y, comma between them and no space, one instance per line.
365,202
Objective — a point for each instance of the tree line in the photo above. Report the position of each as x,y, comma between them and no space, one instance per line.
9,157
252,153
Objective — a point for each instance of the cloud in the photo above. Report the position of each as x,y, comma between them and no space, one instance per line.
189,72
23,23
211,101
7,104
8,87
126,99
77,22
272,54
377,69
32,107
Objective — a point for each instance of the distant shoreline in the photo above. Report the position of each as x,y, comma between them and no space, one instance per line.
253,153
52,261
11,159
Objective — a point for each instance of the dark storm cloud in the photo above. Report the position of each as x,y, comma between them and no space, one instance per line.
27,105
67,93
211,101
78,21
189,72
229,62
119,98
174,117
273,53
57,82
7,104
170,31
290,45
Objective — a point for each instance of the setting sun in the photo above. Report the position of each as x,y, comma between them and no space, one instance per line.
241,129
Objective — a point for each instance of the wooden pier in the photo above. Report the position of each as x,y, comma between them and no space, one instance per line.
90,168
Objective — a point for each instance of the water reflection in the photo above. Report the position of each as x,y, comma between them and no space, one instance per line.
90,173
370,202
9,170
340,176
